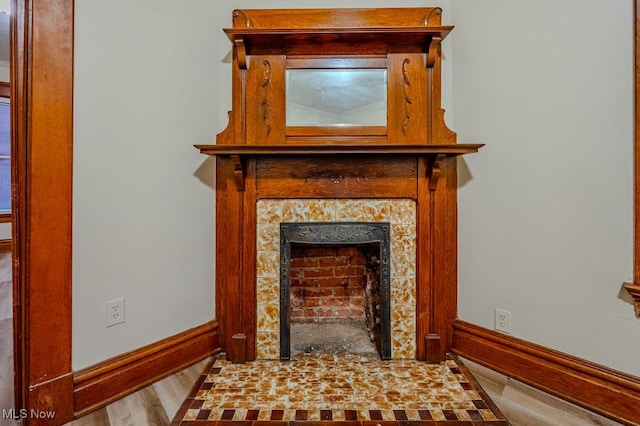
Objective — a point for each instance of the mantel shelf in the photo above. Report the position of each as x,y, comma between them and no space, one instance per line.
413,34
238,154
341,149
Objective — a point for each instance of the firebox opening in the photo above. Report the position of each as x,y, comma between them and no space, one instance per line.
335,298
335,288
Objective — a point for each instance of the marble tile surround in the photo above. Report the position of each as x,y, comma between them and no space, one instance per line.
400,213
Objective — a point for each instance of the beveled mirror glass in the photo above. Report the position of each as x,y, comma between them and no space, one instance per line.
336,97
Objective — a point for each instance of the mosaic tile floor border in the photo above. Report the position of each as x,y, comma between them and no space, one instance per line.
291,393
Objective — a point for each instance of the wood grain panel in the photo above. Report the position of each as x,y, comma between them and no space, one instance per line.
248,269
597,388
424,258
337,177
445,255
229,233
265,109
101,384
437,129
42,139
407,112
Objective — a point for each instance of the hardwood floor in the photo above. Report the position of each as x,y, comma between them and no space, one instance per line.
155,405
6,369
523,405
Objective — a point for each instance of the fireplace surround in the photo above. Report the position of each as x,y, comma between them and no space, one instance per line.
403,172
400,214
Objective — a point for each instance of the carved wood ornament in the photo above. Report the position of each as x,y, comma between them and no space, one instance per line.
409,156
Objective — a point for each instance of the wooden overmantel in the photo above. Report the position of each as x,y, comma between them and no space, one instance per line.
407,153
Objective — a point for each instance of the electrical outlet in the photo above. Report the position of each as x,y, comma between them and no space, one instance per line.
503,321
115,312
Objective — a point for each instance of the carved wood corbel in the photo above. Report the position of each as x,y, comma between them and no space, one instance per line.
240,52
634,291
238,171
434,51
435,171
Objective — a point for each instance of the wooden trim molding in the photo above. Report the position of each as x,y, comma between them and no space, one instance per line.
41,42
600,389
634,287
108,381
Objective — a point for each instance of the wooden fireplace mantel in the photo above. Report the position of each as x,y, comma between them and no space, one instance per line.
239,154
404,152
342,149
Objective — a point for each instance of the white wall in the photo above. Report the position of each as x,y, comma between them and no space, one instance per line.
545,222
146,89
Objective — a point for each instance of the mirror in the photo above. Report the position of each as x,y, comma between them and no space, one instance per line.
336,97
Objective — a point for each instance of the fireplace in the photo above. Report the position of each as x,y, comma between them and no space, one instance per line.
348,286
272,169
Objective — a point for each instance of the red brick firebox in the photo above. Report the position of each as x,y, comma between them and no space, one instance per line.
327,283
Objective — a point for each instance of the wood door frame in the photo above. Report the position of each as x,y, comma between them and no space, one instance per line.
41,40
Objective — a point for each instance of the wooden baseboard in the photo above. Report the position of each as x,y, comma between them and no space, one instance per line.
600,389
108,381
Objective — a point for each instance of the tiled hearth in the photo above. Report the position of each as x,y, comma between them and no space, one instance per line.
343,388
400,213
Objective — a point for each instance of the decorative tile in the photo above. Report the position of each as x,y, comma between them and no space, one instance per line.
312,387
268,264
268,317
268,237
402,265
403,212
267,290
403,319
267,345
323,210
403,345
403,239
348,210
269,211
376,210
295,210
